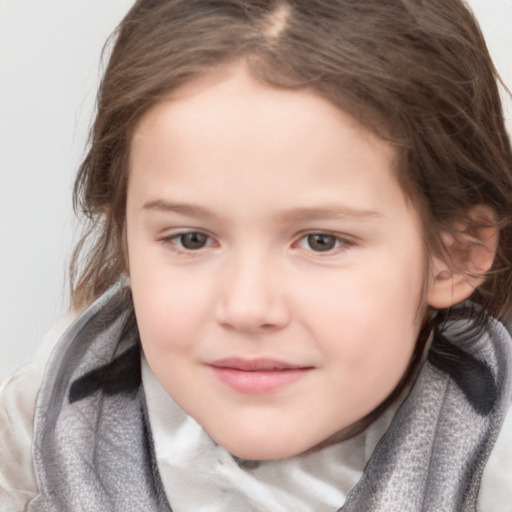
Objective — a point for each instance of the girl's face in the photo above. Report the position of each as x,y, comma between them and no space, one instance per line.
277,267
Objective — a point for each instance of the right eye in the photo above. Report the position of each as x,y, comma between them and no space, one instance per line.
191,241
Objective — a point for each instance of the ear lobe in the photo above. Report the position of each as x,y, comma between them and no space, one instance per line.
449,287
470,250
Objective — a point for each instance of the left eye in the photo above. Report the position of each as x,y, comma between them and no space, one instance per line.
320,242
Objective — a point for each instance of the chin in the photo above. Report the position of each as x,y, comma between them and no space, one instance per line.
266,448
262,453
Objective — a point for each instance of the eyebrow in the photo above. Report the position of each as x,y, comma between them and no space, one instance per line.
326,212
301,214
190,210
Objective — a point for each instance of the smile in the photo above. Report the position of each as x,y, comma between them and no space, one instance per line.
257,376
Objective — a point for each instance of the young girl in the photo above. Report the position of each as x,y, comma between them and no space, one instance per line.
300,240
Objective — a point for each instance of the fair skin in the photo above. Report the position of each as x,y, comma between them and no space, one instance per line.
276,264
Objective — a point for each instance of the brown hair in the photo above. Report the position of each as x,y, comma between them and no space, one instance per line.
416,73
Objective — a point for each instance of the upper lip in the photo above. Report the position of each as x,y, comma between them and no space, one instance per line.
254,365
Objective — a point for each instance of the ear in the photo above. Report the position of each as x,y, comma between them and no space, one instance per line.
470,248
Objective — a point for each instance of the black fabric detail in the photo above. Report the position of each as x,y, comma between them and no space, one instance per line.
247,464
121,375
474,377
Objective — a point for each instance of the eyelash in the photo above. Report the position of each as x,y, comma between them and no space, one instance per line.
175,242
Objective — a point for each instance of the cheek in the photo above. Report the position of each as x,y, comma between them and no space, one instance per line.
175,311
364,302
370,319
166,313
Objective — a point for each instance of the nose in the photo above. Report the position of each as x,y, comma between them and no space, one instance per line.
252,297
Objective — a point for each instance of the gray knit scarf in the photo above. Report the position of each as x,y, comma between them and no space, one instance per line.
93,449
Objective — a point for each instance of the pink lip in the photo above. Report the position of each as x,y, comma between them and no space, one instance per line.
257,376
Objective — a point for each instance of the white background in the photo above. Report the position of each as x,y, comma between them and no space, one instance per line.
49,69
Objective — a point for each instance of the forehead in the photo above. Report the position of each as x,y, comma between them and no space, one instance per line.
262,119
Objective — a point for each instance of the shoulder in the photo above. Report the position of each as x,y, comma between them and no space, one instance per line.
496,488
18,395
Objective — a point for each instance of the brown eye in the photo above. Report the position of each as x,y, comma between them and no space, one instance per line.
193,241
321,242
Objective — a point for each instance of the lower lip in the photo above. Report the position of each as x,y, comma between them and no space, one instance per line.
258,382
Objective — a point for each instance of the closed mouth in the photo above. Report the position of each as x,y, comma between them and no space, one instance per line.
256,365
